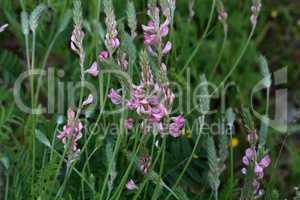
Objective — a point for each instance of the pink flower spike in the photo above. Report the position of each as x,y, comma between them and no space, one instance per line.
265,161
3,27
93,70
114,97
103,55
129,123
131,185
167,48
88,100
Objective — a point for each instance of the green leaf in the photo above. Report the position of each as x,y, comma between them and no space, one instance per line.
5,162
42,138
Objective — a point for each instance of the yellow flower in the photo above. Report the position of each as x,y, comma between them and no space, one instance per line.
234,142
274,13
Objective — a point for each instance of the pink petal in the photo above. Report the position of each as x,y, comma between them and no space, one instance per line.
167,48
103,55
131,185
265,161
129,123
88,101
93,70
245,160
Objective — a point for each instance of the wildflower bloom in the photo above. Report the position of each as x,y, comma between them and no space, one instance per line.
253,161
114,97
131,185
129,123
93,70
103,55
167,48
154,33
255,8
144,163
176,126
71,131
88,100
111,37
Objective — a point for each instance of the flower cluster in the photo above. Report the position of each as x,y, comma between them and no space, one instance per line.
154,33
111,38
71,133
152,107
255,9
255,162
145,163
151,99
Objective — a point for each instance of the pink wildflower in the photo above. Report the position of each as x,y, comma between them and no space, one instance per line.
145,163
157,113
103,55
250,153
93,70
265,161
129,123
72,131
252,137
131,185
167,48
88,100
114,97
176,126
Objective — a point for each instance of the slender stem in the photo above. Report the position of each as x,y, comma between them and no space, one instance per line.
32,114
220,54
157,187
125,176
84,167
44,65
237,61
116,149
202,38
190,158
52,143
7,186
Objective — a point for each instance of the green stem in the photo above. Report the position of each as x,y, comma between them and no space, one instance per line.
237,61
190,158
220,54
202,38
44,65
32,114
116,149
125,176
